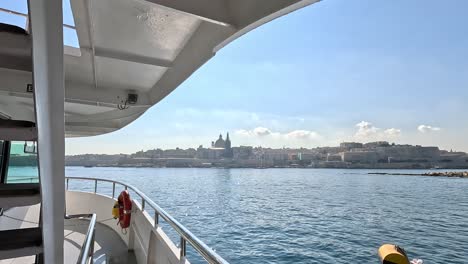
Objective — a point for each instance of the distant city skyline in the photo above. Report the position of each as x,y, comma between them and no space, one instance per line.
351,155
331,72
225,142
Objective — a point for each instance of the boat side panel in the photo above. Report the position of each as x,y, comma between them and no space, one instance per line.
86,202
149,243
162,243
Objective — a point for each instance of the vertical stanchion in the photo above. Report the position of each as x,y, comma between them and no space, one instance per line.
183,250
46,22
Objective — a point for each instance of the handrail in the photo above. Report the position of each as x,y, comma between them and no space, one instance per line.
22,179
87,249
185,235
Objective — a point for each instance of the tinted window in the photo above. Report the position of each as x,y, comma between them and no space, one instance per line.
22,167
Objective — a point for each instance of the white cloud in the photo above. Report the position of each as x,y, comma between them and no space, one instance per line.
302,134
243,132
367,132
366,129
263,132
426,128
256,132
393,132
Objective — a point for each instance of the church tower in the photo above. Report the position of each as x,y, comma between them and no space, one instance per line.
227,147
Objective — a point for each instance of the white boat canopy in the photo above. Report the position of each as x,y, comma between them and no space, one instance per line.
131,54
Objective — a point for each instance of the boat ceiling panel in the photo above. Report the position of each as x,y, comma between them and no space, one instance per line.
148,47
78,69
22,107
140,28
127,75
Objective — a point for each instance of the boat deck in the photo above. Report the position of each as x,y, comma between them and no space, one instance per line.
108,248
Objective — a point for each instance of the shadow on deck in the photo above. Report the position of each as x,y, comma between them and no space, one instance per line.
108,248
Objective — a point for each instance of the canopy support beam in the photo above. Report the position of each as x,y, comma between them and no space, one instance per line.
119,55
47,32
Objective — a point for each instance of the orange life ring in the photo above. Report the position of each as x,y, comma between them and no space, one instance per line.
125,209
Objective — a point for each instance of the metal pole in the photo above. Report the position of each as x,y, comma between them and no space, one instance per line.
156,218
113,190
183,246
47,53
95,186
67,183
91,251
142,204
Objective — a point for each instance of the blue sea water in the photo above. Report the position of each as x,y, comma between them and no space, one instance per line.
305,215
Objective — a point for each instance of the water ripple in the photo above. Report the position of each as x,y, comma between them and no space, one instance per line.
307,216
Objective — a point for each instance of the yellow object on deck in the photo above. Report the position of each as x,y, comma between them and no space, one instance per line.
115,210
392,254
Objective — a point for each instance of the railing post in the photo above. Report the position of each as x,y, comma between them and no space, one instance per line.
142,204
67,183
156,218
113,190
183,246
95,186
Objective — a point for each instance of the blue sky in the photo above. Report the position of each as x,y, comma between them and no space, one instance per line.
336,71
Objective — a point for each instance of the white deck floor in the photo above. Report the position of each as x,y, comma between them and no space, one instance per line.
108,248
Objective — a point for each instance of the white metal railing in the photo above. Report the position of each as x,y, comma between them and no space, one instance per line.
185,235
87,249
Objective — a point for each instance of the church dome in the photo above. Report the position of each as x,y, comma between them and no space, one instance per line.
220,143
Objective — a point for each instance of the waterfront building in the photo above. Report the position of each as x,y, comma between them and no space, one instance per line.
276,156
347,155
242,152
368,157
351,145
407,153
376,144
454,157
179,153
334,157
308,157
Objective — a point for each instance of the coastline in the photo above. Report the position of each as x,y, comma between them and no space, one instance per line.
351,166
